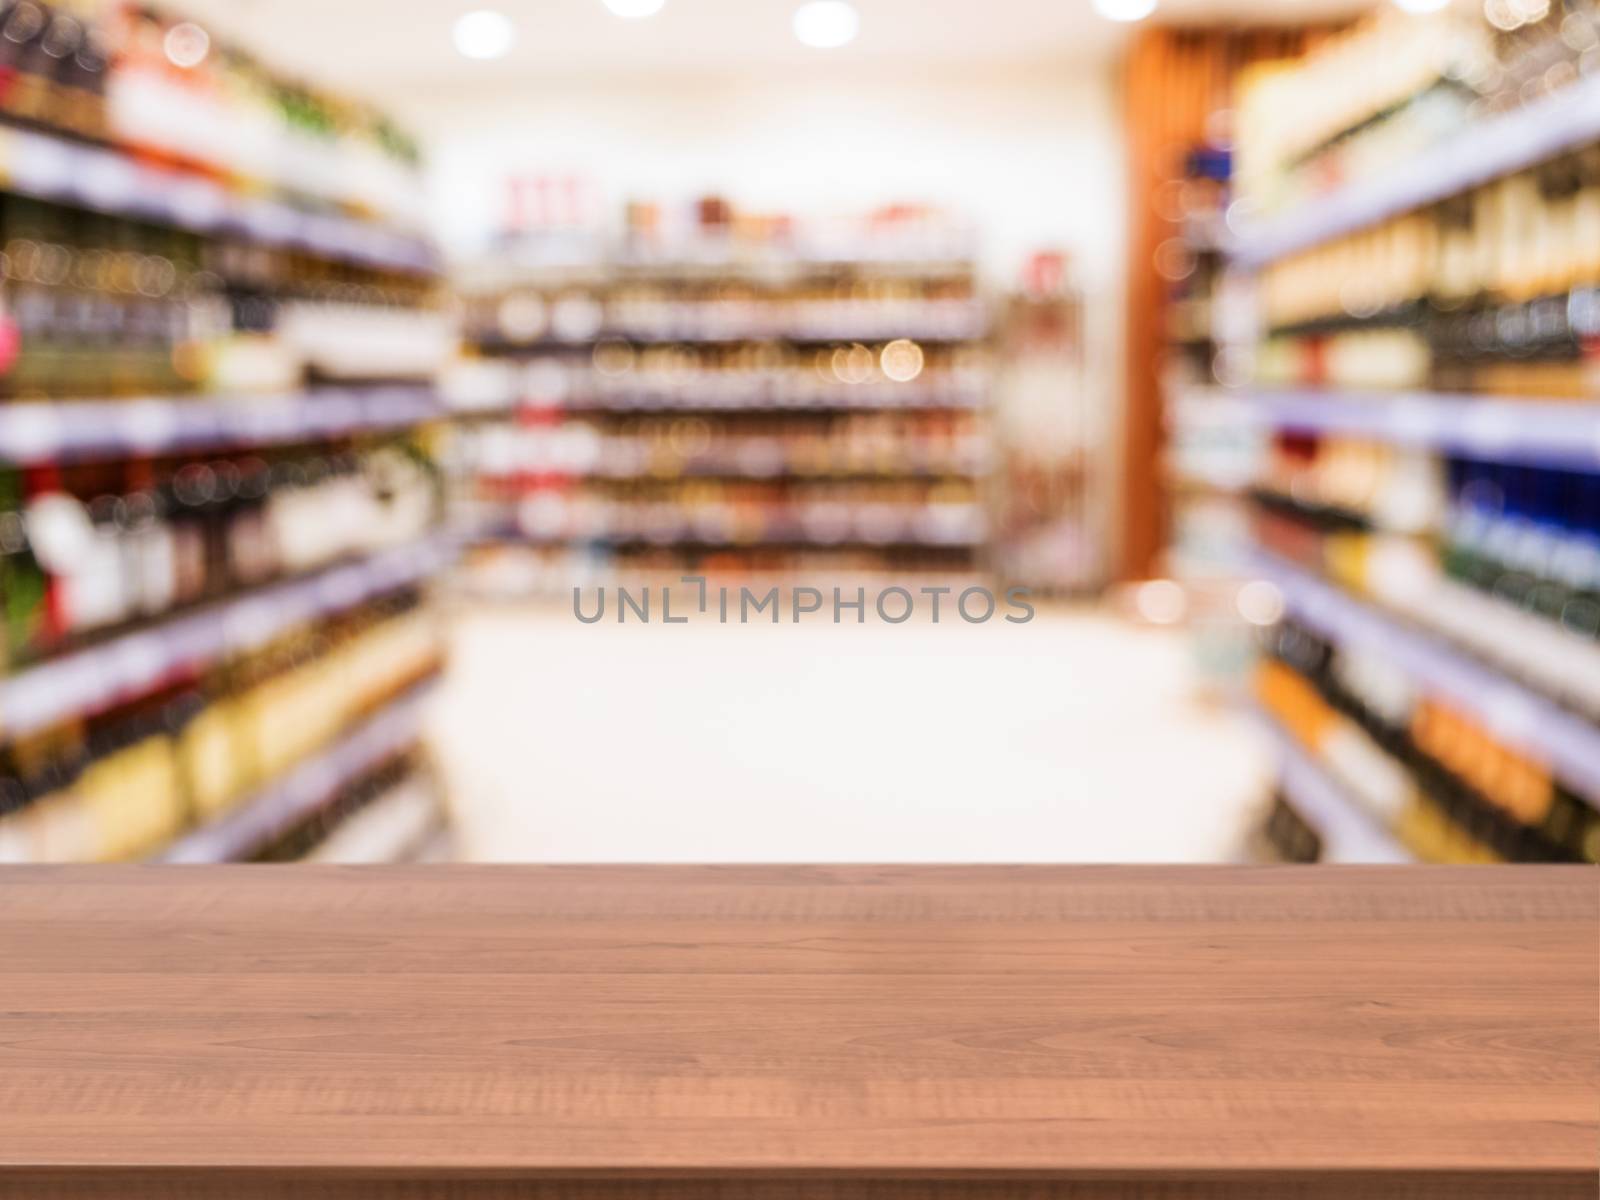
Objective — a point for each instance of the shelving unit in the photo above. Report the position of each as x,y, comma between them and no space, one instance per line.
739,414
1514,673
167,580
105,180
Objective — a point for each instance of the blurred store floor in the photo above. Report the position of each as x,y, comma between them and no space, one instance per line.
1074,738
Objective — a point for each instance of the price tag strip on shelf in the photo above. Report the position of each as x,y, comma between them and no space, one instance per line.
97,678
33,433
1561,433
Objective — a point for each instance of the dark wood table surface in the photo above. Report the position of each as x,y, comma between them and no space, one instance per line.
466,1033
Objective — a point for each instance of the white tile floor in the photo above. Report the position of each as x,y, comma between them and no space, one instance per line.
1074,738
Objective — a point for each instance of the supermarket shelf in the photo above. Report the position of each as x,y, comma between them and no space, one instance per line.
786,538
1552,658
755,402
972,328
583,257
699,406
1349,833
788,541
1552,433
130,665
927,256
845,331
730,472
44,167
1524,718
89,429
306,788
775,408
1485,150
759,404
393,828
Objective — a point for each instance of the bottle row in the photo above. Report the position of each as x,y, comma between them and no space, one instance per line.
1544,348
1497,283
760,377
123,783
385,815
1440,781
57,57
1527,535
1530,537
818,309
122,73
87,549
1397,83
93,305
1370,484
708,373
716,512
1516,239
761,447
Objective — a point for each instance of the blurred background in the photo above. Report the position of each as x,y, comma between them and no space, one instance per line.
350,349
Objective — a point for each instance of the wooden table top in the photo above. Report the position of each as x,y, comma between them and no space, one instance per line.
1125,1027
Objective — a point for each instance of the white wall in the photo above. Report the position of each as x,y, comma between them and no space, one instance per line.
1031,154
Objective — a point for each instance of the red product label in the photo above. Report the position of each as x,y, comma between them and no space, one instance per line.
10,343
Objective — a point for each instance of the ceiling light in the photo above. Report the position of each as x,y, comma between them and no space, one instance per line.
1125,10
484,34
826,24
634,9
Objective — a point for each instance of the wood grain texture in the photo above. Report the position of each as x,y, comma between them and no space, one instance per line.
487,1032
1248,1186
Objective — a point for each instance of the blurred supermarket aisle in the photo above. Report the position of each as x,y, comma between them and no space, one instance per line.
1074,738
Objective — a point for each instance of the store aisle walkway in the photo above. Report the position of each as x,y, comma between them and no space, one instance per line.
1074,738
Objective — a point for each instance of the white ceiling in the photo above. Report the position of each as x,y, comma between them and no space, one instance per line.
379,46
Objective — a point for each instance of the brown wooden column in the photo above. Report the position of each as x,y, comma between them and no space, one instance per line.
1174,79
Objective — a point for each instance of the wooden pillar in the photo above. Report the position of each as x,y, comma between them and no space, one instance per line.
1174,80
